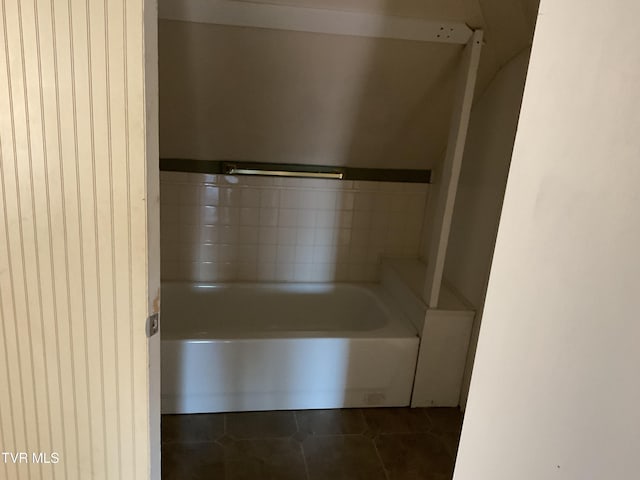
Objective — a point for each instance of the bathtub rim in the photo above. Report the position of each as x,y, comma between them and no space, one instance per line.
397,324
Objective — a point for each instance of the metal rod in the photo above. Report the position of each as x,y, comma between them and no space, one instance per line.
233,170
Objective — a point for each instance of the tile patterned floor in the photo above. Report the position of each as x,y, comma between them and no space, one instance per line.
351,444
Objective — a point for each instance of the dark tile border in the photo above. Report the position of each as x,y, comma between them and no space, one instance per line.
216,167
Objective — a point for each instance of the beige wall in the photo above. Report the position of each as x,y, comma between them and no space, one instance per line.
508,28
481,189
554,392
73,238
282,96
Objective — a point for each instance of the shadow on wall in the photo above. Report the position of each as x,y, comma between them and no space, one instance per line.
246,375
296,97
481,190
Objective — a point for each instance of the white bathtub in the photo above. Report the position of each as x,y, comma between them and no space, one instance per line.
241,347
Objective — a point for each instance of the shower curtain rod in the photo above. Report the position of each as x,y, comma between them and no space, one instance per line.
234,169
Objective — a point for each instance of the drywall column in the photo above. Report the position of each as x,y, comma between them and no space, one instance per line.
444,192
554,391
74,274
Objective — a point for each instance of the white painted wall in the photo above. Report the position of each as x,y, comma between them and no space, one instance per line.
76,283
481,190
554,391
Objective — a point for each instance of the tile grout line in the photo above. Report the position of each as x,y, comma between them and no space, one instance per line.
333,435
384,468
344,188
440,436
224,448
224,424
304,456
375,446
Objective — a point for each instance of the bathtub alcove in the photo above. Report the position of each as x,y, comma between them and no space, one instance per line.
279,346
309,165
233,347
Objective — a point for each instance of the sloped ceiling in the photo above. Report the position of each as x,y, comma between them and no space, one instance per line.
508,27
282,96
508,24
453,10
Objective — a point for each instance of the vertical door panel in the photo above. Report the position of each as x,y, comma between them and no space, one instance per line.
77,206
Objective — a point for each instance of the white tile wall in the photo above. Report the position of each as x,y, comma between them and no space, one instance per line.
226,228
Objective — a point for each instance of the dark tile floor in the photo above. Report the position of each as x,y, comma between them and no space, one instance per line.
350,444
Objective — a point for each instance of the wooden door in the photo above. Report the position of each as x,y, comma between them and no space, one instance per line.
79,240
